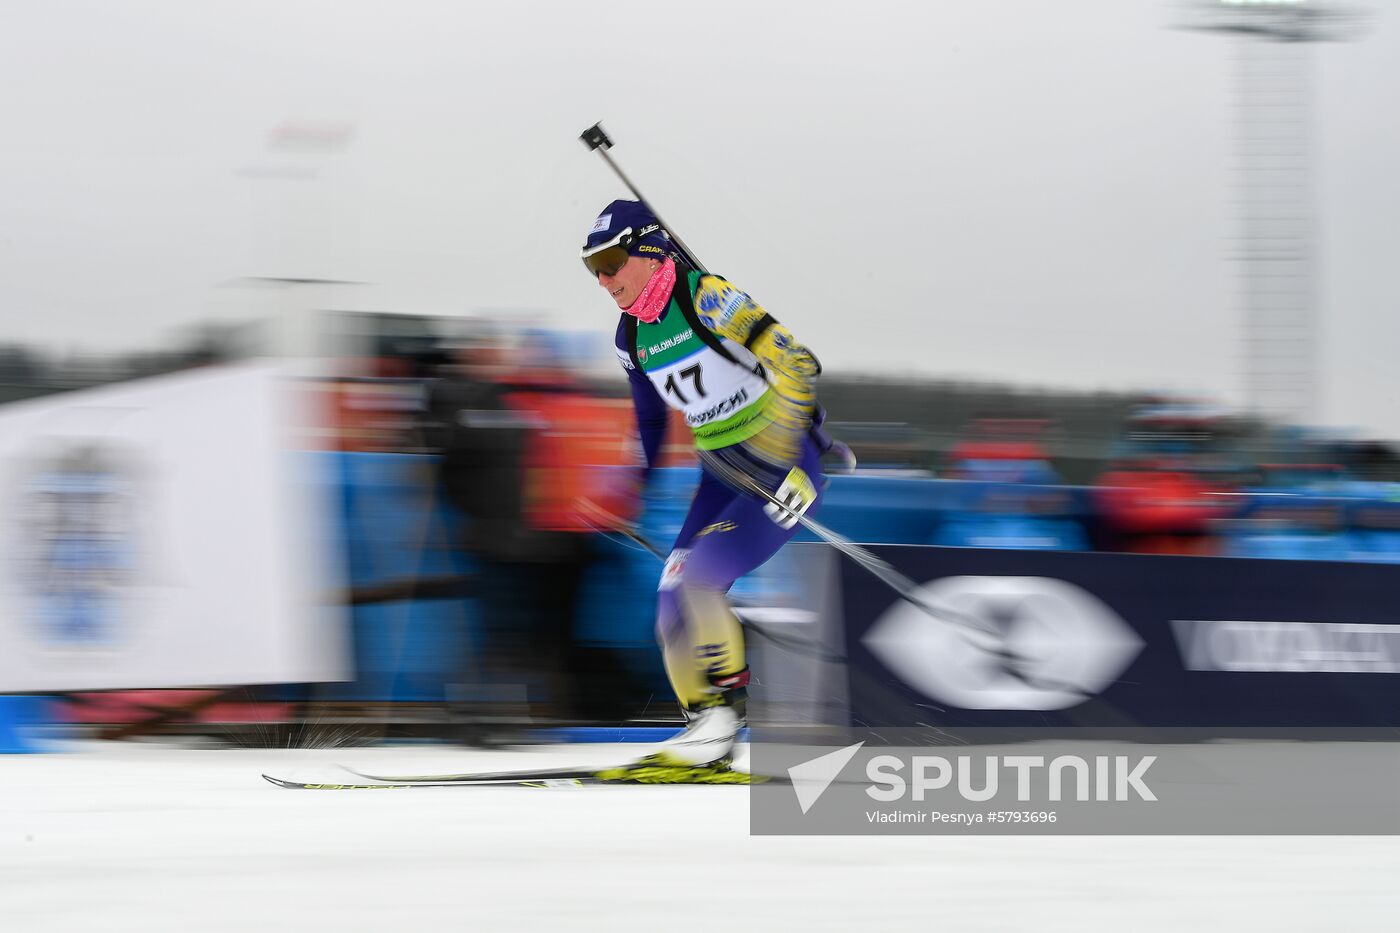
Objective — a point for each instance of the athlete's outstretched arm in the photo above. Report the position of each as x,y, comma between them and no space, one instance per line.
792,368
651,410
652,417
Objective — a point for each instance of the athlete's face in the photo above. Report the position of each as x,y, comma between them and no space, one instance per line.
627,284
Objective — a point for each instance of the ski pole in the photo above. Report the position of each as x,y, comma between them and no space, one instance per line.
905,588
629,531
597,140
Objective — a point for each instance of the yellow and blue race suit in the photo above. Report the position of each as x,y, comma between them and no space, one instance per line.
747,389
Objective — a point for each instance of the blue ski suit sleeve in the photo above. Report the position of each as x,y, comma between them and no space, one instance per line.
652,413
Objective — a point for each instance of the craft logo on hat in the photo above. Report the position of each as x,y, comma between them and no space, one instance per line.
602,223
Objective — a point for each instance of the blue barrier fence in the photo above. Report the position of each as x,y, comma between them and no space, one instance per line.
394,526
20,718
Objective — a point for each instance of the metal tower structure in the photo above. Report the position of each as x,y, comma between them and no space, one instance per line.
1277,244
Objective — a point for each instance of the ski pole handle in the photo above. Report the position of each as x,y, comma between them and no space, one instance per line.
597,140
595,137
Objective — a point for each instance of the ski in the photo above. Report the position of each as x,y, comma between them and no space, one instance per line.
548,778
523,782
478,777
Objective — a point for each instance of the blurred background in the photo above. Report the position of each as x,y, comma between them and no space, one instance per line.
1109,277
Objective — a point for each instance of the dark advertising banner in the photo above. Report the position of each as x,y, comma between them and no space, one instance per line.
1123,640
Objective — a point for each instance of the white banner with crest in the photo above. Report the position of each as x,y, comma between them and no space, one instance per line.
164,533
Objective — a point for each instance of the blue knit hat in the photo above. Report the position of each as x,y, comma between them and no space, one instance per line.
646,236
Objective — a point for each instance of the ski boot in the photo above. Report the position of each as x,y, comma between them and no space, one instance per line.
702,752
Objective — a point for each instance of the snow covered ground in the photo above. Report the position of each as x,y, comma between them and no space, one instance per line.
141,837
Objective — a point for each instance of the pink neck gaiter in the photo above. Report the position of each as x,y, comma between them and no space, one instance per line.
655,294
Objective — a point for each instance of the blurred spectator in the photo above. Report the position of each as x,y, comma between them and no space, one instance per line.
1169,481
1319,478
1003,450
513,463
1009,506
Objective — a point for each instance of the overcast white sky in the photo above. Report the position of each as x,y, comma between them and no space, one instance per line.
1014,190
